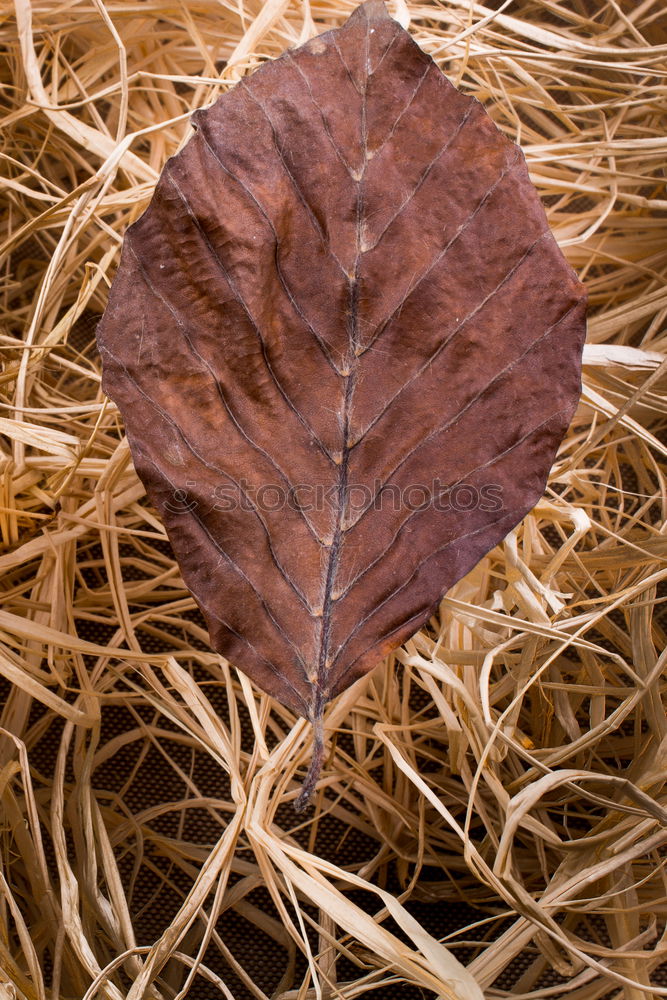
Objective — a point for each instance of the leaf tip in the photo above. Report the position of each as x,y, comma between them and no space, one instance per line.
372,10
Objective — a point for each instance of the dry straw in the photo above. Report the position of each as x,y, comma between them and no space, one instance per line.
511,756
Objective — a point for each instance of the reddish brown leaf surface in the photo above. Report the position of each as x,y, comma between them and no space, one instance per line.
344,298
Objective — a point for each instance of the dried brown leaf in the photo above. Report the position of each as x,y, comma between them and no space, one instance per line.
346,347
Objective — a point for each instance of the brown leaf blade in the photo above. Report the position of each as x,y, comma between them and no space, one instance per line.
346,348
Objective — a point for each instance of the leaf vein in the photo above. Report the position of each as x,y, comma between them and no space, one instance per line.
425,173
297,188
213,468
239,298
339,536
437,259
397,590
470,472
253,444
225,555
471,403
333,38
325,123
429,361
394,38
288,291
459,538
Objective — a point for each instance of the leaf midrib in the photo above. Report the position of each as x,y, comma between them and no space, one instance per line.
350,376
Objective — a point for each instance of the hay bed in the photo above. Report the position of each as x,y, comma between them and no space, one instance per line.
499,783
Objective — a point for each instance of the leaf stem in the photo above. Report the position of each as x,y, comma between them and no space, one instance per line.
316,761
